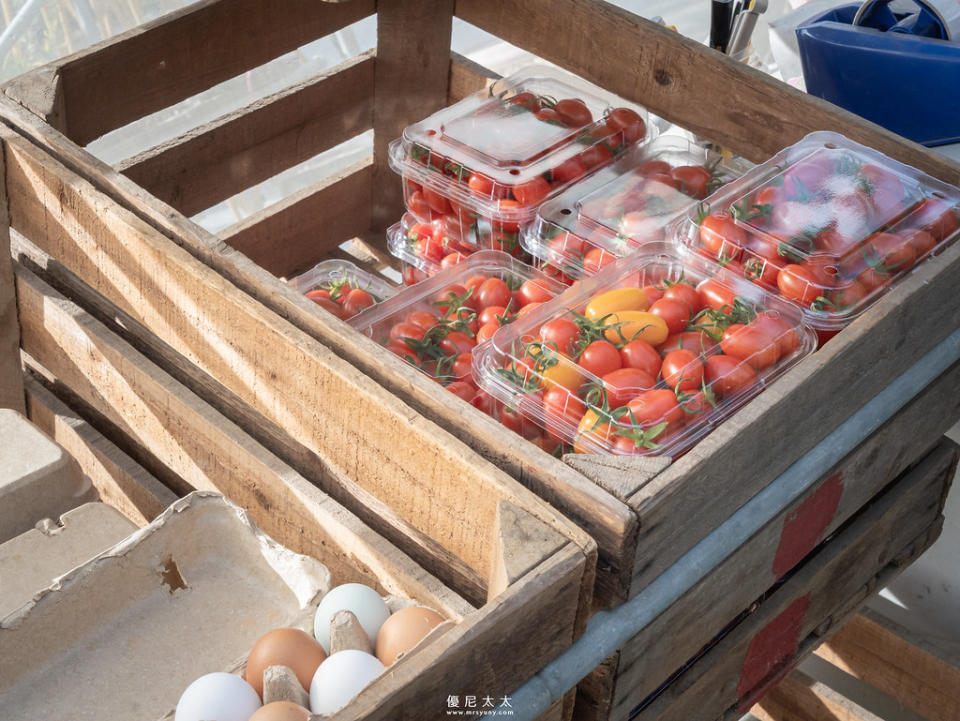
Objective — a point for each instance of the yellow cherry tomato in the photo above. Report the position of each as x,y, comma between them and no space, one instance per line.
627,325
587,432
615,300
563,372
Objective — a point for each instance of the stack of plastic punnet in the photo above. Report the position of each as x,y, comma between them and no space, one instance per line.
478,170
827,223
630,202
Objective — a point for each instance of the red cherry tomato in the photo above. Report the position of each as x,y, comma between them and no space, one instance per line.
657,406
750,344
628,122
534,291
601,357
573,112
727,375
623,385
464,390
796,282
722,236
493,291
562,334
693,180
682,370
533,192
685,293
675,313
526,100
437,202
716,295
595,259
596,155
695,341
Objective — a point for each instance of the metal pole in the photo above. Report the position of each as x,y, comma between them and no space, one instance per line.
609,630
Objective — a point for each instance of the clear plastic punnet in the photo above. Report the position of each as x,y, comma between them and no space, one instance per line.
332,281
632,201
484,164
828,223
435,325
424,248
646,357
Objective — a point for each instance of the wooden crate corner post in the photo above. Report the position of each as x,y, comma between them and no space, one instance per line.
11,375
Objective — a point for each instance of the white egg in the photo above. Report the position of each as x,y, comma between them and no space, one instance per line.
362,601
217,697
341,677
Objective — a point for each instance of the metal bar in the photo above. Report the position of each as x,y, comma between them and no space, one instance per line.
609,630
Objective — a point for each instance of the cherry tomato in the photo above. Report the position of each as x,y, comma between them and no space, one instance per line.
457,342
824,269
628,325
685,293
493,291
417,205
779,331
603,304
796,282
573,112
412,275
492,314
601,357
716,295
462,367
641,355
328,305
596,155
750,344
936,216
486,332
356,301
505,209
561,334
682,370
693,180
722,236
526,100
533,192
595,259
425,319
663,185
484,187
653,294
452,259
727,375
519,423
675,313
657,406
403,351
527,308
921,241
803,179
653,167
565,373
569,170
534,291
628,122
623,385
893,252
453,293
404,331
845,297
437,202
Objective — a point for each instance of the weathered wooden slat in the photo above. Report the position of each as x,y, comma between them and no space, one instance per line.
358,429
789,622
411,82
11,375
121,481
798,697
678,78
466,77
783,542
181,54
917,679
219,159
290,236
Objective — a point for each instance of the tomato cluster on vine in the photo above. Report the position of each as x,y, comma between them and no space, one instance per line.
342,298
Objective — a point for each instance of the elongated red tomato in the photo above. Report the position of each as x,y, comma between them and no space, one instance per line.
716,295
601,357
750,344
727,375
722,236
675,313
561,334
622,386
640,354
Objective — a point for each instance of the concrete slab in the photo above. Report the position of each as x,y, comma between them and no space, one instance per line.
38,479
30,562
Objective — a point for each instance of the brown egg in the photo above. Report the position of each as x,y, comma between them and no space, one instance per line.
281,711
404,630
288,647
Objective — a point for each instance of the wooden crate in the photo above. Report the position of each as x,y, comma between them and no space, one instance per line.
76,209
536,570
814,603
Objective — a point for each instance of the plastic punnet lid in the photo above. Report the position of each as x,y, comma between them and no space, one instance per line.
435,348
601,370
424,245
502,151
338,277
609,214
828,223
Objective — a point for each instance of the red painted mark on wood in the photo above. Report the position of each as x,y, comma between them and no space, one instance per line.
772,653
803,528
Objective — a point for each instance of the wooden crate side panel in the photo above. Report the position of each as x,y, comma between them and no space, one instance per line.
289,378
206,449
675,77
412,74
817,395
789,537
225,156
789,622
120,480
467,77
174,57
302,229
917,679
11,375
